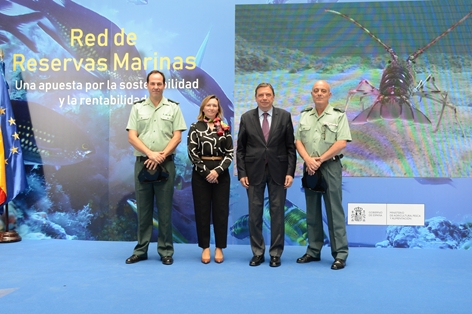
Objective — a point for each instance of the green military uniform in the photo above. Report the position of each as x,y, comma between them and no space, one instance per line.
318,133
155,127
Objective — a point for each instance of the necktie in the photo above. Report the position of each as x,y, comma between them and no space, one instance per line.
265,126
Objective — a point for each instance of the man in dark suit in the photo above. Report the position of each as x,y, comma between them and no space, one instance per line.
266,157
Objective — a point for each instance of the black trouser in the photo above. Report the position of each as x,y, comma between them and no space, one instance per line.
211,204
276,203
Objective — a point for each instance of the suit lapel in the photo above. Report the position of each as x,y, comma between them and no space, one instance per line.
274,123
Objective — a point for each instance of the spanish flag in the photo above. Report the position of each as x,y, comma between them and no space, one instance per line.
12,168
3,181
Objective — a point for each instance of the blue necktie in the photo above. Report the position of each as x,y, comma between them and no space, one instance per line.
265,126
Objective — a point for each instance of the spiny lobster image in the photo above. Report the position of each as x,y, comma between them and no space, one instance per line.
393,98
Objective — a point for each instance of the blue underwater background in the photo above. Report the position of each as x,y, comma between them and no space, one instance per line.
79,163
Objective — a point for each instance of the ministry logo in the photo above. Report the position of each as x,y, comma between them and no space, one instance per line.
358,214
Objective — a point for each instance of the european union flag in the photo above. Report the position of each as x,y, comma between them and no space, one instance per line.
12,169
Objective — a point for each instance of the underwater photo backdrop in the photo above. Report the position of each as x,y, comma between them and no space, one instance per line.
74,69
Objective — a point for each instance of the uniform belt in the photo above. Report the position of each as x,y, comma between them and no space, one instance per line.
335,158
212,157
144,158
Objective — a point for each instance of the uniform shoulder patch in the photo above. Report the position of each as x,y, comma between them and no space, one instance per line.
139,101
307,109
338,109
172,101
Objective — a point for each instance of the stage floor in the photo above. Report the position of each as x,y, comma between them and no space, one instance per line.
60,276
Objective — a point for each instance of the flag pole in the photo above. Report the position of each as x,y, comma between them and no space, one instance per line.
8,236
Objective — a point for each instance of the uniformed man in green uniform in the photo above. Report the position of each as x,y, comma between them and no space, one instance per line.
322,133
155,128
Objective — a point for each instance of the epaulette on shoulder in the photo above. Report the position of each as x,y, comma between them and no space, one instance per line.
172,101
139,101
338,109
309,108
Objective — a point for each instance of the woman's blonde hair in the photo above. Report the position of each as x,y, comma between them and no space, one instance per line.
205,100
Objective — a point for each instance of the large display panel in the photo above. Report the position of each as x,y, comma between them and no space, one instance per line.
404,82
75,67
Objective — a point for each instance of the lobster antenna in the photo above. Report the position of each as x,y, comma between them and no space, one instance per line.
389,49
421,50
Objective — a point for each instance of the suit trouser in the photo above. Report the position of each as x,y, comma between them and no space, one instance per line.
332,172
162,193
211,204
277,196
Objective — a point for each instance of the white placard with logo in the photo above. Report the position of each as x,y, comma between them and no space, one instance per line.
367,214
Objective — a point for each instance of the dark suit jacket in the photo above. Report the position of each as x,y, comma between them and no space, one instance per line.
252,150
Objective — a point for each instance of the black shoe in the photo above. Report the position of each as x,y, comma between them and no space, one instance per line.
308,258
338,264
256,260
135,258
275,261
167,260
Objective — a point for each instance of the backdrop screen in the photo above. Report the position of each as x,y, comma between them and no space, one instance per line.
424,131
74,69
